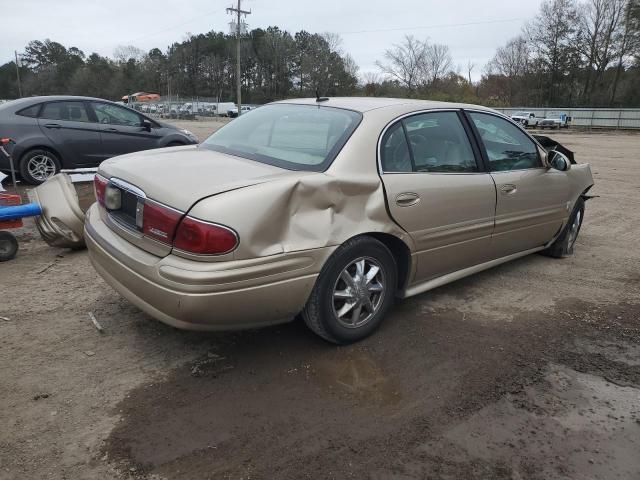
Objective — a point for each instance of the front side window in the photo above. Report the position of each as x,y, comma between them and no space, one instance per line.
115,115
296,137
67,111
437,143
507,147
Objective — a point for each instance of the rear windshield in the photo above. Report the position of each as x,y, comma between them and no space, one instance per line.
295,137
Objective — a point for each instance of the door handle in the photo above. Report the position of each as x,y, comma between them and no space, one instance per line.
508,189
407,199
52,125
111,129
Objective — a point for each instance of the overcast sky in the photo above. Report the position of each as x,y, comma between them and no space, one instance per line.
473,29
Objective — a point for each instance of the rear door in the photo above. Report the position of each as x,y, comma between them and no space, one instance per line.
121,130
437,191
73,133
532,199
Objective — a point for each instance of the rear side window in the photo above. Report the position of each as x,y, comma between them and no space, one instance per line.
31,111
67,111
395,151
507,147
434,142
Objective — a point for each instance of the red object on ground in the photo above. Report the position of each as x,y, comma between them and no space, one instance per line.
8,200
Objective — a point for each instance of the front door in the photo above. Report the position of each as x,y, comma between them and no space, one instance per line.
437,192
532,199
73,134
122,131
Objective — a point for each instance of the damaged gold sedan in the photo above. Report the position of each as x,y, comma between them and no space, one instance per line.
331,208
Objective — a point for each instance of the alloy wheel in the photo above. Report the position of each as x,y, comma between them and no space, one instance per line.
575,227
41,167
358,292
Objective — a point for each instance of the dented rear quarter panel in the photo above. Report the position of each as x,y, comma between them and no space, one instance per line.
311,210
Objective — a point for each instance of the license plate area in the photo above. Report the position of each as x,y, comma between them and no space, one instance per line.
130,210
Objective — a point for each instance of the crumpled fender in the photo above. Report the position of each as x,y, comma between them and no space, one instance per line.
313,210
62,221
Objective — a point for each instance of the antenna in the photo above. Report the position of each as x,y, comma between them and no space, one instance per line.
319,98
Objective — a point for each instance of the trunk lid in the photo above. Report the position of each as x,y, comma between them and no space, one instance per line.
181,176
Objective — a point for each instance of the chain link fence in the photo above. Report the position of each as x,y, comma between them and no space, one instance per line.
189,108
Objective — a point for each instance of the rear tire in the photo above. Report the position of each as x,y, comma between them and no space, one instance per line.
353,293
563,245
8,246
37,166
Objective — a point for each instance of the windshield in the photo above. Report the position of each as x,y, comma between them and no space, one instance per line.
520,114
553,115
295,137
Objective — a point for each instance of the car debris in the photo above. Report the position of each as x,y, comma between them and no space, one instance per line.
549,144
61,223
95,322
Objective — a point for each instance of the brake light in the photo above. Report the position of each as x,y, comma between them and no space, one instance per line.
160,222
99,187
203,238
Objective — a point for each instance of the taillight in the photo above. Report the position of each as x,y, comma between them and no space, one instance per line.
160,222
99,187
203,238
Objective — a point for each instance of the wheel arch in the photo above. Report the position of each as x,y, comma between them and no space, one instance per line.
401,254
48,148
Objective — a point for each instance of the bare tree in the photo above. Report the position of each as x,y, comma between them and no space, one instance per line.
470,67
554,38
437,62
512,63
405,62
124,53
626,41
334,40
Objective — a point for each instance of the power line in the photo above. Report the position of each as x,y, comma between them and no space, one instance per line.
445,25
173,27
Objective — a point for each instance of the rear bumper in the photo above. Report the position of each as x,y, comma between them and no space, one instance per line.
204,295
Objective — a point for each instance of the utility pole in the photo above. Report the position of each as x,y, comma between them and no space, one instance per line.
238,10
18,75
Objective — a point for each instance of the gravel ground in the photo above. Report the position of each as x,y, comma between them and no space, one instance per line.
527,371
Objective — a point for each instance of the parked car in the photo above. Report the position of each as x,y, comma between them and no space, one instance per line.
555,120
233,112
329,208
527,119
52,133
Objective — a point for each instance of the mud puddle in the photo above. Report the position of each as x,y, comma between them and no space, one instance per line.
443,394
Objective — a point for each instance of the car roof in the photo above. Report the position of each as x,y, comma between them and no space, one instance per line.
20,103
365,104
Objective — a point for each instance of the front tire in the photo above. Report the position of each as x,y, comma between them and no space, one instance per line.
37,166
563,245
353,293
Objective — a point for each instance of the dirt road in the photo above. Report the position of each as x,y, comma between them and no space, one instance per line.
527,371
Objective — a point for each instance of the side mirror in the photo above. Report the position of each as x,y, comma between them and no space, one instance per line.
146,125
559,161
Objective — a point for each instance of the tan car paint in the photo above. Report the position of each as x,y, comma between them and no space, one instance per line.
289,223
452,222
62,221
204,295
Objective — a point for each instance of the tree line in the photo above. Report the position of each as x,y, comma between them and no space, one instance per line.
275,65
573,53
